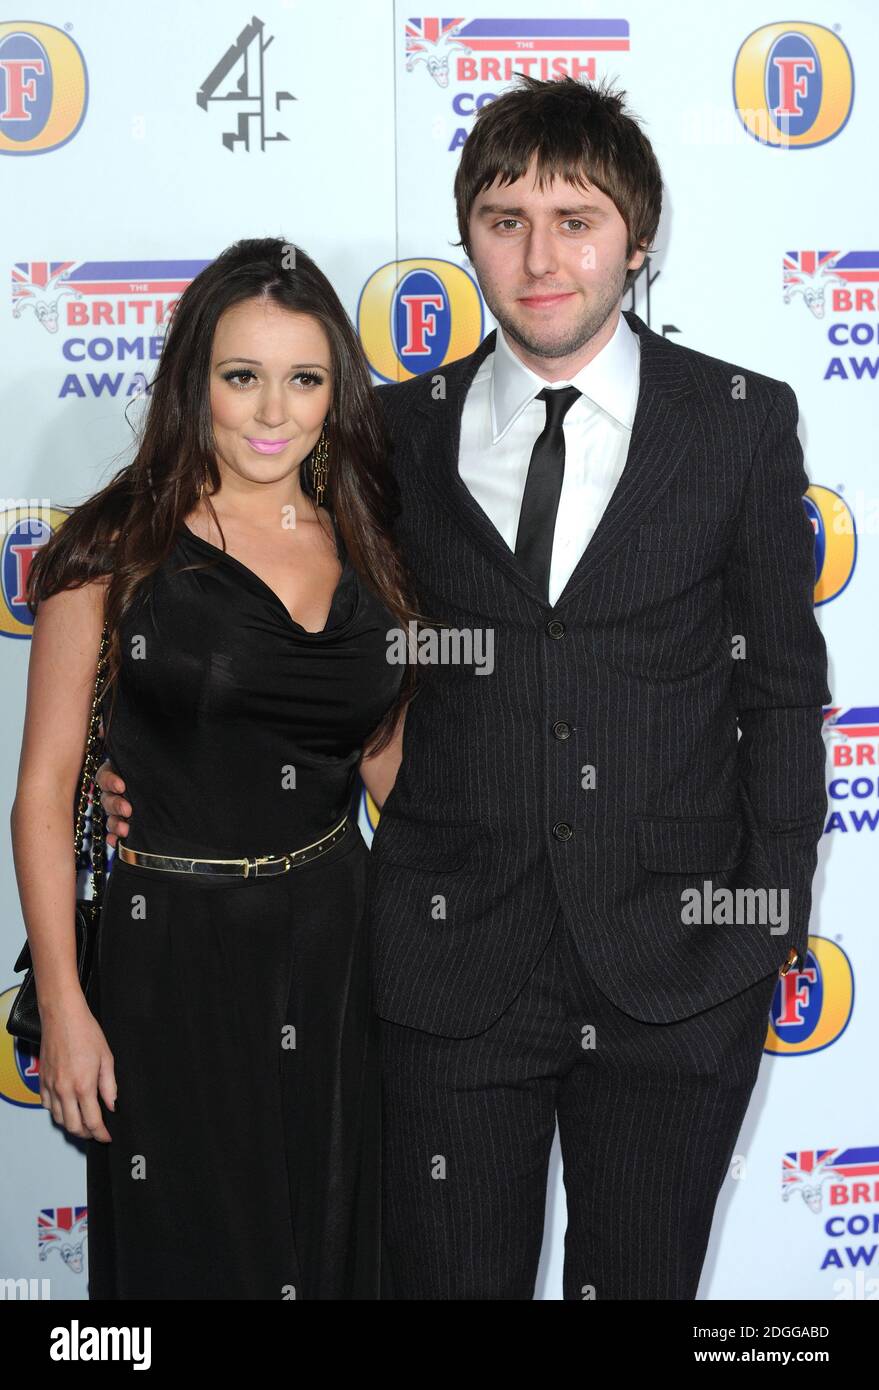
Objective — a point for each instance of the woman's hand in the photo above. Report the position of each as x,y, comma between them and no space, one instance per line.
76,1064
115,806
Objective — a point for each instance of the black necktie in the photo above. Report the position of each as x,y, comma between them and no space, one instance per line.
543,488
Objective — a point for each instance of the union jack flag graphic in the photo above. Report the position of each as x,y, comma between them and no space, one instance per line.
63,1229
424,33
852,721
41,285
799,265
28,276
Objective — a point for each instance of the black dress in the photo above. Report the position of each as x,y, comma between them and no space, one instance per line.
244,1161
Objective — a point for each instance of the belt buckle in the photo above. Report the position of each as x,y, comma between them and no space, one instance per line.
235,866
254,863
251,865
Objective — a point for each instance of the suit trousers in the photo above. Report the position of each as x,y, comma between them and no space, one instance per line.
648,1115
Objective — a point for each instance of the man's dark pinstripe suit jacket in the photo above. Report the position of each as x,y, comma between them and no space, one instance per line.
705,539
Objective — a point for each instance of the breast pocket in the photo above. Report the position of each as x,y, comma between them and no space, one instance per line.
670,601
681,541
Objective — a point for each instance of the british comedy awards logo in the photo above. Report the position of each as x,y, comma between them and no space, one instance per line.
839,291
107,319
473,60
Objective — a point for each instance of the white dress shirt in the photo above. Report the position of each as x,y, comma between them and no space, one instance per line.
501,421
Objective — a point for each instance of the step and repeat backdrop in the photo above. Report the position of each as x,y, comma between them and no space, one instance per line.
136,143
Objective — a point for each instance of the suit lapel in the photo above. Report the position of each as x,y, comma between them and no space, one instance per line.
661,432
439,444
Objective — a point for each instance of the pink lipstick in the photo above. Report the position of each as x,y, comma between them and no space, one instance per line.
267,446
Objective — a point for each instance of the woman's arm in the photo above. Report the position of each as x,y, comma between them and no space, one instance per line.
60,686
380,772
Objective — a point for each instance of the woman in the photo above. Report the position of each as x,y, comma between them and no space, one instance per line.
225,1063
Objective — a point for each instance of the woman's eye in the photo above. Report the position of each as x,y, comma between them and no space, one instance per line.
239,378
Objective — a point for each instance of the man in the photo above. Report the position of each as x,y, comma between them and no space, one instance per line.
584,884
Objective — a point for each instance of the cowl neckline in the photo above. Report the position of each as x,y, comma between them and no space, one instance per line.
347,587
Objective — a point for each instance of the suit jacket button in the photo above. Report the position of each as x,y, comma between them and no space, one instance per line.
562,830
555,628
561,729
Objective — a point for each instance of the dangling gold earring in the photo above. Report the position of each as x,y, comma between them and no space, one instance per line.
319,466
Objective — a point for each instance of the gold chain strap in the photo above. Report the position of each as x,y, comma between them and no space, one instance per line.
89,768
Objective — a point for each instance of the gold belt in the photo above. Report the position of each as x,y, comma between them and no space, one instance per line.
266,866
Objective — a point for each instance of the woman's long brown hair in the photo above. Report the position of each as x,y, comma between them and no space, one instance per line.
127,529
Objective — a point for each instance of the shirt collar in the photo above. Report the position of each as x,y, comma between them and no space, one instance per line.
610,380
